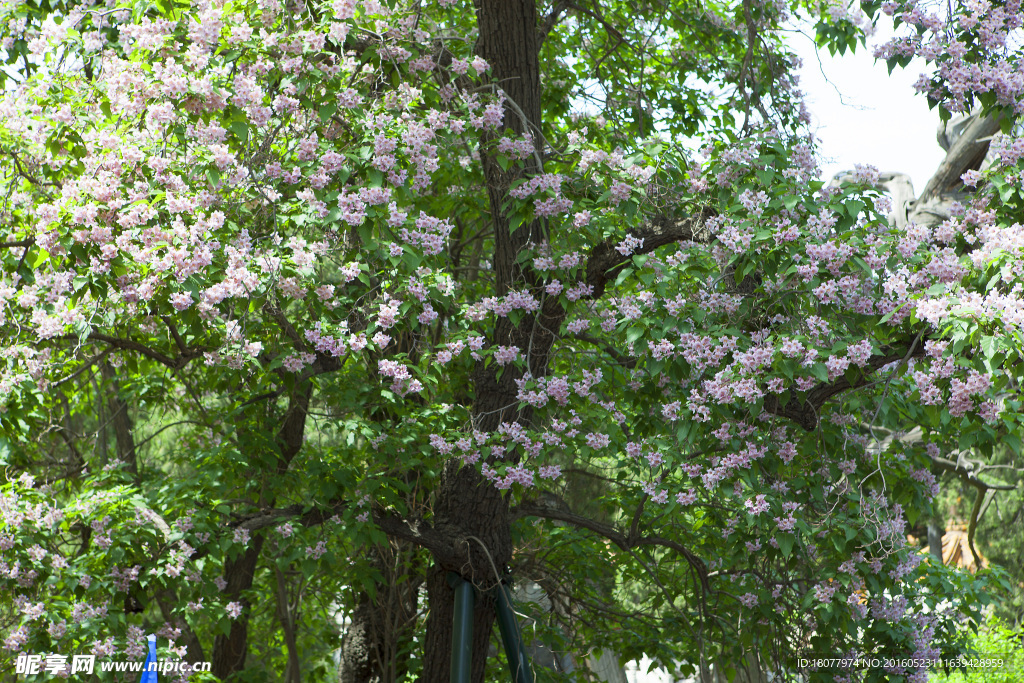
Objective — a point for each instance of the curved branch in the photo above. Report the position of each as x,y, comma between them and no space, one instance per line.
967,476
561,512
551,21
605,262
620,358
132,345
984,490
443,542
805,414
967,152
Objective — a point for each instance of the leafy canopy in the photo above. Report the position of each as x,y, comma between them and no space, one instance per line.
255,291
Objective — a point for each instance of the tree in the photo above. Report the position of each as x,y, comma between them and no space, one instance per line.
352,283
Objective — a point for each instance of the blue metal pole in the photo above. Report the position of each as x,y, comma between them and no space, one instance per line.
511,638
462,629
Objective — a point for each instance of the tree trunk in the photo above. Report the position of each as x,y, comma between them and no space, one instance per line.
229,651
467,504
121,421
381,629
287,616
358,646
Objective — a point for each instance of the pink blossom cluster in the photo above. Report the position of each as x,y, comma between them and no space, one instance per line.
520,148
963,73
402,381
429,234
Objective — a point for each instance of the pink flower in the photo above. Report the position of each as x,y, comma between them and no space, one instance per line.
620,192
971,178
824,592
687,497
234,609
506,354
757,505
181,300
629,245
550,472
17,639
785,523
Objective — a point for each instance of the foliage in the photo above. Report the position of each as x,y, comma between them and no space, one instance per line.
993,640
276,276
1000,527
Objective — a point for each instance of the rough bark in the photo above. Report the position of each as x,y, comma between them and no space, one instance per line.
966,152
287,616
477,509
380,632
230,651
466,503
359,645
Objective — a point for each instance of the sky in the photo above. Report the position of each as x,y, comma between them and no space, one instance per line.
864,116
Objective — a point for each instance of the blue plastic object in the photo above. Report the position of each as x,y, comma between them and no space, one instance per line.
148,671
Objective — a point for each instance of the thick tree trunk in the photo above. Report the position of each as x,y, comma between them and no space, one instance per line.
229,652
480,513
380,632
471,507
121,421
287,617
359,647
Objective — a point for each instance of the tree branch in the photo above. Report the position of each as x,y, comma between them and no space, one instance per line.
132,345
562,512
620,358
967,476
967,152
805,414
605,262
550,21
443,541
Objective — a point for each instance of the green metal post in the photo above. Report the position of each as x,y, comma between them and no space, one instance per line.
462,629
515,651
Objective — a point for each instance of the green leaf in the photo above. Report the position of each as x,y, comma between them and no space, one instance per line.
820,371
623,275
241,130
765,175
327,111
